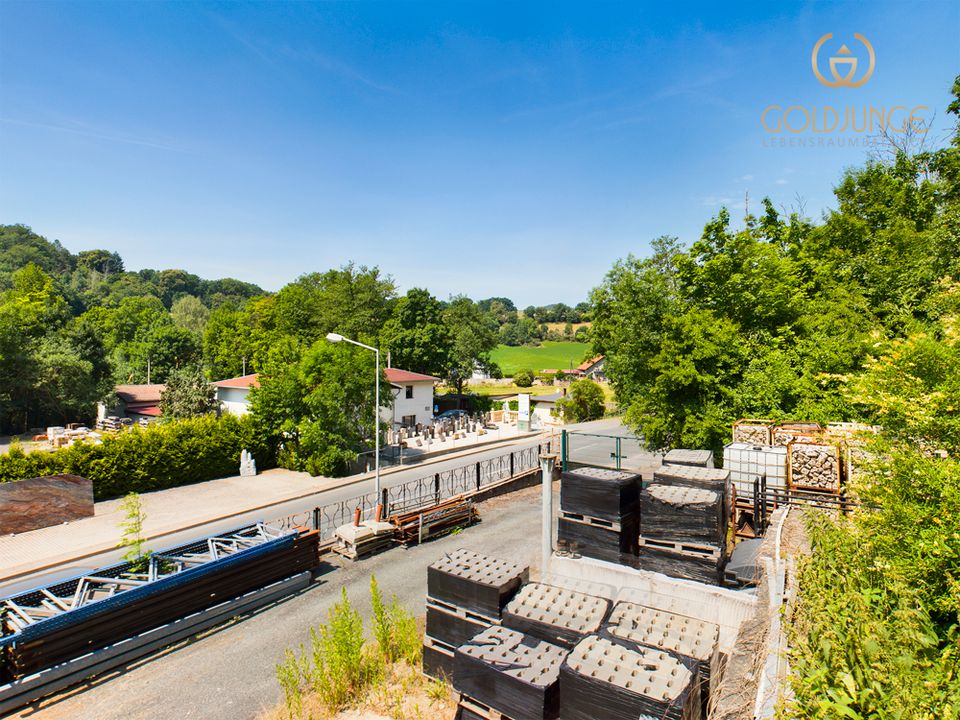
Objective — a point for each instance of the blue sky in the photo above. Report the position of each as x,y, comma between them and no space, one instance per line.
490,149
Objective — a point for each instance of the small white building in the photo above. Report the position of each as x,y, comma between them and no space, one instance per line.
140,403
233,393
412,398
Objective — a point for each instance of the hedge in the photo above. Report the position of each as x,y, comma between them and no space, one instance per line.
160,456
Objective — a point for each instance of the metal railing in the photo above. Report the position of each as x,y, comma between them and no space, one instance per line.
420,493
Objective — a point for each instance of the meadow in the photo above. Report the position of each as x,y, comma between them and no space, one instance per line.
548,355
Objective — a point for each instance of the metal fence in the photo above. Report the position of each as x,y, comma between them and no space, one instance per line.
420,493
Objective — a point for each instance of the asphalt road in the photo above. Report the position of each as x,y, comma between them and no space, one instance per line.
229,673
590,443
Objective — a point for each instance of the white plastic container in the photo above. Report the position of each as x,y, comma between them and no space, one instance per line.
748,462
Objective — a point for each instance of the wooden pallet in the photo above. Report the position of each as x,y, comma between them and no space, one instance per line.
706,551
365,548
588,520
478,708
461,612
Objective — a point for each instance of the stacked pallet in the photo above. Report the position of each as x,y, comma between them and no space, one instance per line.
355,542
603,678
466,593
600,513
557,615
694,458
690,639
685,514
502,672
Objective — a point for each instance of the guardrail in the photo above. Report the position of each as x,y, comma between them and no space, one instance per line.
420,493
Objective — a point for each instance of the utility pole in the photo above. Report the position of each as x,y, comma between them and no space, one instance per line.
148,369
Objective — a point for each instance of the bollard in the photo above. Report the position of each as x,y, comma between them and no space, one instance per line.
356,517
547,463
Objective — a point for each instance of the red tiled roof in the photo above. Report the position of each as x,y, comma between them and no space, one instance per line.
244,381
139,393
395,375
584,366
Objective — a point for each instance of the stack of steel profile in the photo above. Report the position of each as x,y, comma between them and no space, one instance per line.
693,458
685,514
60,622
557,615
600,513
466,593
623,681
690,639
502,672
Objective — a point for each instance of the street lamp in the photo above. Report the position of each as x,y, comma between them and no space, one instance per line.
335,338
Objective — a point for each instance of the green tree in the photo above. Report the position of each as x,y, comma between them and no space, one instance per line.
474,336
187,394
189,313
583,402
416,335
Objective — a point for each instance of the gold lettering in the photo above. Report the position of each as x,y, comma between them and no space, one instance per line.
923,126
786,119
763,119
890,125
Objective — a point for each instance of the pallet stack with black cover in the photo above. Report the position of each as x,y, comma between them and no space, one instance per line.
689,639
600,513
621,681
684,518
502,673
466,592
558,615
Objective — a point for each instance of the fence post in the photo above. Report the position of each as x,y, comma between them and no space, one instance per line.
436,489
564,449
618,451
385,502
478,475
511,463
316,518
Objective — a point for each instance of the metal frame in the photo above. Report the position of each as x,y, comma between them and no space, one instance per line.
25,609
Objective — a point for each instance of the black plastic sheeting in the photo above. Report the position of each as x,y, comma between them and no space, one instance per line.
683,514
679,564
584,696
518,675
619,546
451,629
600,493
437,663
557,615
475,582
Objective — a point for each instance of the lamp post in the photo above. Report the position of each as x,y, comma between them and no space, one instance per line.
335,338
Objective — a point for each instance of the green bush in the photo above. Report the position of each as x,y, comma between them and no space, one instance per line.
584,401
523,378
339,670
154,458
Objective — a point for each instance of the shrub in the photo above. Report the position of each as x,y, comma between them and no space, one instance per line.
153,458
339,671
523,378
394,628
583,402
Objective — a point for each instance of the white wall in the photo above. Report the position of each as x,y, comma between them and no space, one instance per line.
421,404
234,400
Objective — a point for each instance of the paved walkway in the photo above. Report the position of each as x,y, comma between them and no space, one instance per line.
178,509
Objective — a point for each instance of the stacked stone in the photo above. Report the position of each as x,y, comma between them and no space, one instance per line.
466,593
685,514
556,615
600,513
504,671
690,639
813,466
603,678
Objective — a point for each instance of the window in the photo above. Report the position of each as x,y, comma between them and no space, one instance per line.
409,392
409,421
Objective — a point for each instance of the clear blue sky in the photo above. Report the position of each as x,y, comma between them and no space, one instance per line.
491,149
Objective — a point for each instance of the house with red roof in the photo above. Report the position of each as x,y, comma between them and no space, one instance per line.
233,393
593,368
137,402
412,398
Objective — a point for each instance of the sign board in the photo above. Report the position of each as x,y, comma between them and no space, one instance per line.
523,408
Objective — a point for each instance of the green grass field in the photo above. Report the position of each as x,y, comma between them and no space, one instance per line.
552,355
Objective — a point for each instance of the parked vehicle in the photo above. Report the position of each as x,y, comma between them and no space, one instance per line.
452,415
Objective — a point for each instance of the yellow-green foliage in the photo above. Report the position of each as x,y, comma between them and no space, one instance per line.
876,628
144,459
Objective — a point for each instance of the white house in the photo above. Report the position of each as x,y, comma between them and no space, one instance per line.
233,393
412,398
